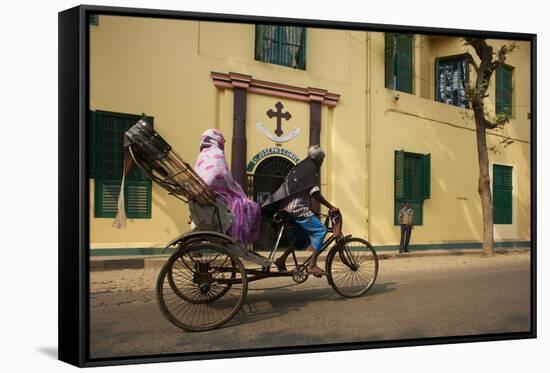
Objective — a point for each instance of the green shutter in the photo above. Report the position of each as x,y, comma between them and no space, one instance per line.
398,61
503,90
396,207
105,198
502,194
93,19
405,63
426,176
389,60
108,164
418,208
399,175
508,90
138,199
413,177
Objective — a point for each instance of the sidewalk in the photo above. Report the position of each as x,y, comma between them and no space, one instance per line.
157,261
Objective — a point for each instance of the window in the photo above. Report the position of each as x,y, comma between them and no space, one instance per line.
451,75
399,61
503,90
93,19
281,45
412,182
502,194
107,153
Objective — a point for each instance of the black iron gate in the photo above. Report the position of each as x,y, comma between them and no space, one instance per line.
268,176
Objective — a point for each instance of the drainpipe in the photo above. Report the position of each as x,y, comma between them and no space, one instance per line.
368,133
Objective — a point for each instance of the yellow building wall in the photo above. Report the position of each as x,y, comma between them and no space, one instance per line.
162,68
416,123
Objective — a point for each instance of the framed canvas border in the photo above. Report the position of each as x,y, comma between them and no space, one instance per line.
74,209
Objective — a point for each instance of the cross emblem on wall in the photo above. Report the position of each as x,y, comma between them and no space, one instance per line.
279,115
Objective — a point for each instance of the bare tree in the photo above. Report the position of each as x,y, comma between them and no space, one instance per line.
489,61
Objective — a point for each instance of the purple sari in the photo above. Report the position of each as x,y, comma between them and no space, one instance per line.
213,169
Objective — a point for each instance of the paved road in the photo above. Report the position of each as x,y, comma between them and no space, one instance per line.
416,297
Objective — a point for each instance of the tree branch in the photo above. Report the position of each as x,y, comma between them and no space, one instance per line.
471,61
499,121
502,54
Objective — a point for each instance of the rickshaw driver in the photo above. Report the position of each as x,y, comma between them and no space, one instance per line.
294,196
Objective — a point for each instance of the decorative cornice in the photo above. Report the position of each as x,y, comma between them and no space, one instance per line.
236,80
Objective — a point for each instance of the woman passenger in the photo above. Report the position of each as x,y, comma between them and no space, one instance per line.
212,167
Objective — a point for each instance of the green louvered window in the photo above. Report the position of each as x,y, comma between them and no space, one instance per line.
502,194
503,90
106,161
281,45
412,182
451,77
93,19
399,61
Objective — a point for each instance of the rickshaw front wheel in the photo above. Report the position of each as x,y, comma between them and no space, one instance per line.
352,267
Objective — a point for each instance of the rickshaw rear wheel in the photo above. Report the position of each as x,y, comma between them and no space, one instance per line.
201,286
352,267
210,296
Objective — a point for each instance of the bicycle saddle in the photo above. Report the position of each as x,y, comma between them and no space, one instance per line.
282,217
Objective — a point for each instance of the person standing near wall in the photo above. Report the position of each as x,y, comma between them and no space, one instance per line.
406,216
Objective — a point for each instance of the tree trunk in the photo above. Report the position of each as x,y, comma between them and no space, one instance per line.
477,94
484,188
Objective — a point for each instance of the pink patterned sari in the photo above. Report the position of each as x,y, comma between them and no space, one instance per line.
212,167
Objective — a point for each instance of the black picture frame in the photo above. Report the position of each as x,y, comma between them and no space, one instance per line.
74,275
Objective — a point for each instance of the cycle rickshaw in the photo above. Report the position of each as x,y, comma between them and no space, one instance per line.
204,283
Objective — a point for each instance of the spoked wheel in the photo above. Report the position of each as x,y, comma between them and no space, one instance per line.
352,267
201,287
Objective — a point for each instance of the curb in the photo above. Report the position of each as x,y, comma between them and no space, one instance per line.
157,261
453,252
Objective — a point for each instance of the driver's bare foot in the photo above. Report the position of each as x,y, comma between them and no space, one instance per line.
315,271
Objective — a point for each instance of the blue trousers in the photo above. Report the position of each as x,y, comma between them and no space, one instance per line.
309,231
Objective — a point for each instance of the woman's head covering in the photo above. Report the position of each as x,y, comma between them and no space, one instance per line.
212,166
211,137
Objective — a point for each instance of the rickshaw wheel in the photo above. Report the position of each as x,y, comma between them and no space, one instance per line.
197,298
201,286
352,267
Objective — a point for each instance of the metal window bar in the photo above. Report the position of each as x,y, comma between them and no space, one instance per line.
453,76
282,45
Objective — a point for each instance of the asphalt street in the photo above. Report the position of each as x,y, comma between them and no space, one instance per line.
412,298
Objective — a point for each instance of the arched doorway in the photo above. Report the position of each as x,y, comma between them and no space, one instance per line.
267,177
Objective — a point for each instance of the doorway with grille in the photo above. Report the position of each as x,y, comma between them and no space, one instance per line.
267,177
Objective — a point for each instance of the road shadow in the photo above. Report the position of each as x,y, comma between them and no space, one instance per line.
276,303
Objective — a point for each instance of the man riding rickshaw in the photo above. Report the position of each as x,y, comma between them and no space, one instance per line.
294,197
